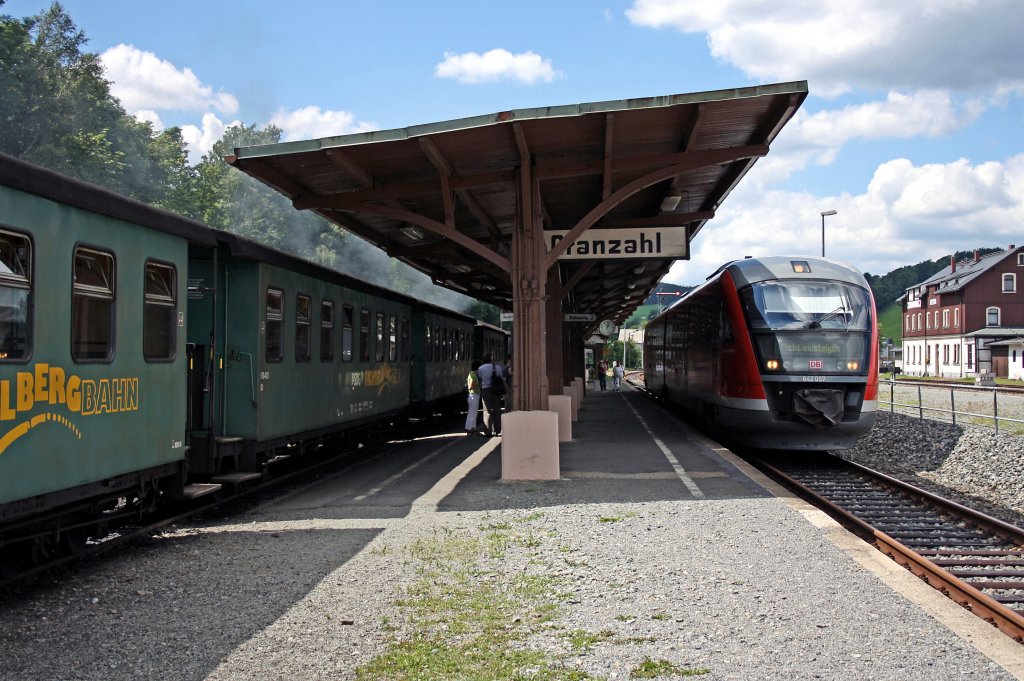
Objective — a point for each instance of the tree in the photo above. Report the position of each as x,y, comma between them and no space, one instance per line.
57,111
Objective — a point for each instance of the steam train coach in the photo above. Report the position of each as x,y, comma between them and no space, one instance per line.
146,357
771,352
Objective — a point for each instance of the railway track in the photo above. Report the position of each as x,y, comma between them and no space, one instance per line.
976,560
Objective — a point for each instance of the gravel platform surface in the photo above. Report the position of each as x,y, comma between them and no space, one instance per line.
725,588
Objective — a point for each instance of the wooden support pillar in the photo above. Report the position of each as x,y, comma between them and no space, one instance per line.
528,294
555,335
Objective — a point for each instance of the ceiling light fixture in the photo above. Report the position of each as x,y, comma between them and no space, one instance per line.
670,203
412,232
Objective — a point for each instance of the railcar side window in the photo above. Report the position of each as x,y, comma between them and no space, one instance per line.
274,350
160,308
347,324
92,306
380,337
427,355
303,317
392,338
15,296
364,335
326,331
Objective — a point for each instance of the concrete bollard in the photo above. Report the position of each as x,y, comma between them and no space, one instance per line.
562,405
529,446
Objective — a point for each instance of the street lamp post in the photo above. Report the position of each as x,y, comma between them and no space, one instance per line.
823,215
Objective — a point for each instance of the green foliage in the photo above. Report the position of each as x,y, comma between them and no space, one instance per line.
650,669
613,353
889,287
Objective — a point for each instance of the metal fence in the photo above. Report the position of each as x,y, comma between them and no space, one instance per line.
956,403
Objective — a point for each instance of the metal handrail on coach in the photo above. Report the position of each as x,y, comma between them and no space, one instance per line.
953,412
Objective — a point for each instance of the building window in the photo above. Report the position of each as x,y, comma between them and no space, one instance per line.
303,318
945,319
956,318
159,313
364,335
1020,259
15,296
347,325
274,350
1009,283
326,331
992,316
970,357
92,312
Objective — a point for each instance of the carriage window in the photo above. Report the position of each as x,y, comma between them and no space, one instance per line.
392,338
92,310
303,317
160,308
15,294
364,335
380,337
405,339
347,323
274,352
326,331
426,355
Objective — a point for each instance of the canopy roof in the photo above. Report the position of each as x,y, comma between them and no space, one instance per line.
445,197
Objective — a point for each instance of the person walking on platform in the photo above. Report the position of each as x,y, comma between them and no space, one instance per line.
602,374
492,391
618,373
473,392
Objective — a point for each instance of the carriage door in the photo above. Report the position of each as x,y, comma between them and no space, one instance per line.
197,411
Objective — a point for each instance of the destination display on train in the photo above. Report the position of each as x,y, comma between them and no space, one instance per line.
626,244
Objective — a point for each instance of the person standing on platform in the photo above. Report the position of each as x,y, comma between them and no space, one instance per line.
602,374
473,391
618,373
492,390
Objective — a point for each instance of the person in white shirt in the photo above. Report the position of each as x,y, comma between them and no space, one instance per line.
618,373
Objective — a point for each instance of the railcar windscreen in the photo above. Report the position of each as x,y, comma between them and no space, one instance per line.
807,305
820,327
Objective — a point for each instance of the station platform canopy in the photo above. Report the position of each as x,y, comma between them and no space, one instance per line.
615,191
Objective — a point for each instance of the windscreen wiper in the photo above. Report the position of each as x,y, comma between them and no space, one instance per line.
816,324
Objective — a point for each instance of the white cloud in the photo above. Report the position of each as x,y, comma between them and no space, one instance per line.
497,64
151,117
816,139
906,214
201,140
839,45
143,81
312,123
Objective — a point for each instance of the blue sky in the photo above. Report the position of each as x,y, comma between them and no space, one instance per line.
913,130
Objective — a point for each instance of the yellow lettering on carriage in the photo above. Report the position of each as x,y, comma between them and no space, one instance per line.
51,385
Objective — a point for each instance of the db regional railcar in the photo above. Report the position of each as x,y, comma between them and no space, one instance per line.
146,357
771,352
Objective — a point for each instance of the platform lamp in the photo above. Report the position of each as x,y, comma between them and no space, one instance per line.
824,214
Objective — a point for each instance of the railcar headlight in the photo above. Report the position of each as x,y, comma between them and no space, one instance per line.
773,365
852,365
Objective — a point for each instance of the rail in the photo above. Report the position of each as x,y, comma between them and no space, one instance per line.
977,405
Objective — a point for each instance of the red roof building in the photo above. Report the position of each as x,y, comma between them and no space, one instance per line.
968,319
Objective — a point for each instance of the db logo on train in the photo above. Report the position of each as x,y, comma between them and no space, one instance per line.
814,364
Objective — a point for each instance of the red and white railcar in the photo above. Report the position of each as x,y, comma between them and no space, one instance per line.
773,352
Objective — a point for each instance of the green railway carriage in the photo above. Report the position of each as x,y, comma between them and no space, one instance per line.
442,351
297,353
93,343
145,356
